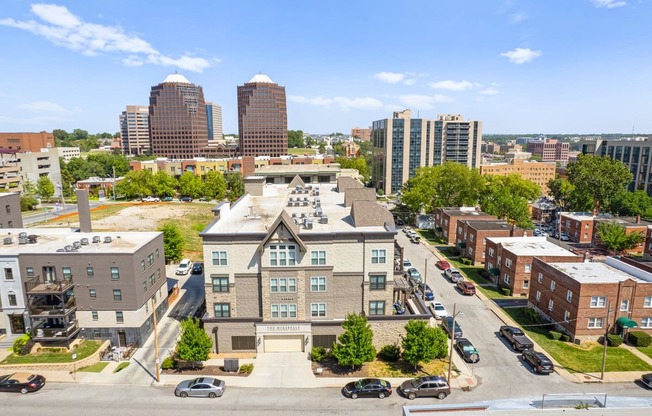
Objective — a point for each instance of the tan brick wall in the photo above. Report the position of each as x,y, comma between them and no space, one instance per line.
226,330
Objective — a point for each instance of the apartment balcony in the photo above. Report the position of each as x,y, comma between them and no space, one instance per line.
44,332
38,286
41,309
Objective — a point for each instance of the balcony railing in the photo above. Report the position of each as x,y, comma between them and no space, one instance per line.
40,333
53,310
37,286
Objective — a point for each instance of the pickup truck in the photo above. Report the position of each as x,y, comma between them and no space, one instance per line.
516,337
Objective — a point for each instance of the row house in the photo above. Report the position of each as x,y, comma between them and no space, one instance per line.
472,236
587,298
582,227
510,260
446,220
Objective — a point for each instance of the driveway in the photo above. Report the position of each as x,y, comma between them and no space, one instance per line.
282,370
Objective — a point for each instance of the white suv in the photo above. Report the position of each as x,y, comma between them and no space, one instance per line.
184,267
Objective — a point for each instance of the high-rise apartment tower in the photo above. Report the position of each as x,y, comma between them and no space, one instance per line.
134,130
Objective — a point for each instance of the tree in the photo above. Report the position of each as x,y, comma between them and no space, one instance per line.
44,188
191,185
358,163
632,204
27,203
235,184
195,344
322,148
615,238
215,185
599,178
164,184
137,183
423,343
173,241
310,141
562,192
295,138
29,188
354,346
507,197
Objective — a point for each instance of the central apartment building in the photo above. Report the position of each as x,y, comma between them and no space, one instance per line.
287,262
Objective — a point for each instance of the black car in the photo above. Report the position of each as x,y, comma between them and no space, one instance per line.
646,379
197,268
429,293
539,362
447,324
21,382
430,386
467,350
368,387
185,199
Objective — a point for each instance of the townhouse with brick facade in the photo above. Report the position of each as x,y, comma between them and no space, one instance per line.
510,260
578,226
446,220
286,263
630,224
472,236
586,298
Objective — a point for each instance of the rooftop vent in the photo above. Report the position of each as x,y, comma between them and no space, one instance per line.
303,215
76,244
107,239
308,224
22,235
96,239
84,241
22,239
294,215
8,240
323,219
31,239
60,250
68,249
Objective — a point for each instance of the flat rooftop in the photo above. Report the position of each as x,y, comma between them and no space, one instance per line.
255,214
579,216
464,211
487,224
531,246
332,168
594,272
49,240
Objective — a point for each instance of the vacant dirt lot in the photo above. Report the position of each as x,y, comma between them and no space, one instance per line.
145,217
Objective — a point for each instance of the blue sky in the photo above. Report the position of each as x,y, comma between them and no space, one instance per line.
520,66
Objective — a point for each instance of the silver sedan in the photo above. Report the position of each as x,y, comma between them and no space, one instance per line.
200,387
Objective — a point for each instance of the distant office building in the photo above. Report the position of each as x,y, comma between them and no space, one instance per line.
461,140
10,178
538,172
402,144
27,142
262,118
33,165
214,121
134,130
549,150
68,153
177,119
362,134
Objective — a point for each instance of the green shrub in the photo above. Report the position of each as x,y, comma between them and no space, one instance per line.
639,339
556,335
532,316
484,274
169,363
565,337
506,291
614,340
454,251
390,353
20,344
317,354
246,368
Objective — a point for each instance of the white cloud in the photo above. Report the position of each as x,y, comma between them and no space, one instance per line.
440,98
344,103
609,4
451,85
43,107
423,102
63,28
516,18
407,78
490,91
521,55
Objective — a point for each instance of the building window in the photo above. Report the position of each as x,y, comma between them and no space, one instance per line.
115,273
92,293
117,295
378,256
508,263
491,252
142,265
317,310
283,285
540,277
377,307
220,284
538,296
157,254
551,304
317,284
553,284
9,273
152,279
569,296
150,259
624,305
90,272
647,302
566,316
526,284
646,322
119,317
528,267
13,300
598,301
8,208
243,343
317,258
219,258
67,273
377,282
29,271
595,322
222,310
506,279
274,311
145,285
282,255
158,274
95,315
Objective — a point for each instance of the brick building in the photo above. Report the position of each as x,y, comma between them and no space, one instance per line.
472,236
27,142
446,220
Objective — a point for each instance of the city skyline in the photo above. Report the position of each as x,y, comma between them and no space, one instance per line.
523,67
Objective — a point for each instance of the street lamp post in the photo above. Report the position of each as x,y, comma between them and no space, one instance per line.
158,367
63,200
452,332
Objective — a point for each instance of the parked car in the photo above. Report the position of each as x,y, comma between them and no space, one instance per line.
430,295
443,265
466,287
21,382
539,361
399,309
466,349
516,337
368,387
198,267
200,387
184,267
406,264
646,379
415,239
447,324
413,275
168,199
151,199
453,274
185,199
429,386
438,310
564,237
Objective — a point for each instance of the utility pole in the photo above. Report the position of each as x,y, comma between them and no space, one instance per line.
158,368
450,355
113,186
604,341
425,280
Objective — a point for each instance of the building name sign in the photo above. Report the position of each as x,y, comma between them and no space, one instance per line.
282,328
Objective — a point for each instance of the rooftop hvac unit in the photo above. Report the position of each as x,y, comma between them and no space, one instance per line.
323,220
60,250
107,239
294,191
96,239
305,203
305,198
68,249
22,239
7,240
22,235
303,215
315,191
294,215
308,224
299,189
84,241
231,365
76,244
318,212
296,220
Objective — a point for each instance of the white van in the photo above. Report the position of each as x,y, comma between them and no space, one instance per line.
184,267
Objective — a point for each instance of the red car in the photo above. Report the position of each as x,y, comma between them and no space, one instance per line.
443,264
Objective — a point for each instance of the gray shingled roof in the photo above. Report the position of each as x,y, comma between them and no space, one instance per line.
370,214
344,183
359,194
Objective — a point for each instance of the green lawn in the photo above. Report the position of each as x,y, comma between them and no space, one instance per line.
430,237
95,368
121,366
579,359
83,350
646,350
302,151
